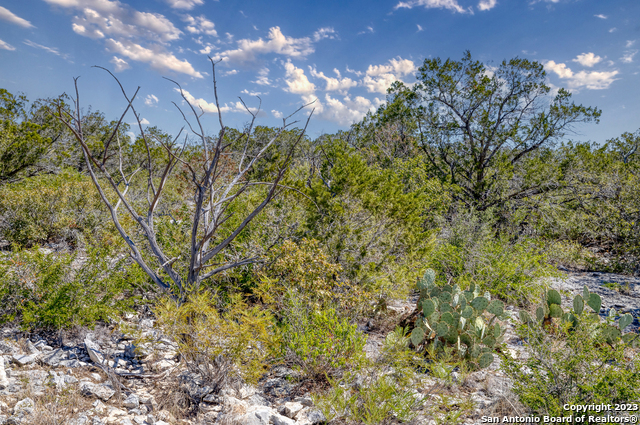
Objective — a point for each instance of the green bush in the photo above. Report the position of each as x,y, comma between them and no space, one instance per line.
470,253
574,358
220,345
49,207
320,342
54,291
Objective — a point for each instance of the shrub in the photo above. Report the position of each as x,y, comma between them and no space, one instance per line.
306,270
380,391
219,345
49,207
574,358
320,342
53,292
512,270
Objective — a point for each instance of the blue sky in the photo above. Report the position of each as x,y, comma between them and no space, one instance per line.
343,55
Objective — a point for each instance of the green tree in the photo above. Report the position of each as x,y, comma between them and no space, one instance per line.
476,123
21,144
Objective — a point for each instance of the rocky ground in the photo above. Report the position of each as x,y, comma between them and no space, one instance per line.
99,377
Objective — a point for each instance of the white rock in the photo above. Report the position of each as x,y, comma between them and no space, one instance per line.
23,359
309,416
4,382
26,405
291,409
94,351
277,419
132,401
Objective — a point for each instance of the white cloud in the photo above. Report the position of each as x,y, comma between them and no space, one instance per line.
230,72
263,77
378,78
140,36
628,56
368,30
630,43
346,111
184,4
156,56
200,25
587,59
252,93
151,100
144,121
353,71
487,4
102,18
334,84
296,81
120,64
6,46
601,16
326,32
420,27
210,108
434,4
593,80
45,48
278,43
277,114
7,15
614,29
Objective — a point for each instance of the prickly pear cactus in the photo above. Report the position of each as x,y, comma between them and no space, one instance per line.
461,319
551,309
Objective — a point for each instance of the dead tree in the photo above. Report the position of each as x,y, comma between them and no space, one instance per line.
213,192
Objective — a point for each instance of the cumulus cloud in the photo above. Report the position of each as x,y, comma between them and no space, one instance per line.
378,78
420,27
7,15
144,121
326,32
630,43
252,93
587,59
601,16
296,81
339,84
592,80
368,30
346,111
102,18
628,56
6,46
211,108
151,100
139,36
487,4
436,4
277,114
156,57
200,25
184,4
249,50
119,63
263,77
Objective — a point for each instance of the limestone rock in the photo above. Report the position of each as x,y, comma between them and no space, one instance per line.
102,391
94,351
4,381
132,401
309,416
